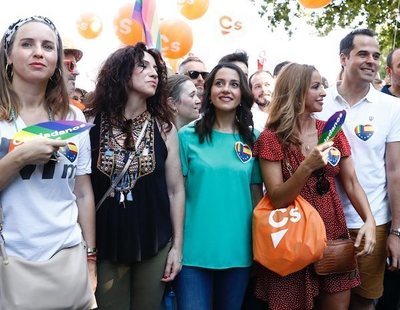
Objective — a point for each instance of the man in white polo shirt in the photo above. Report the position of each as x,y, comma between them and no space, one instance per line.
372,127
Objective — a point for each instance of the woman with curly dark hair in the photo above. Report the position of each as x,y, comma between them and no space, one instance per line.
222,186
137,181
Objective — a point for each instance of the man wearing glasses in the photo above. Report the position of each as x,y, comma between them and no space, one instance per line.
195,68
71,56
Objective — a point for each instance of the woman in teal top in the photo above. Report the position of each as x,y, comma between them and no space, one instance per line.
223,183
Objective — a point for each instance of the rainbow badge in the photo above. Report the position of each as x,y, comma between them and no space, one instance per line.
333,156
243,151
70,151
364,132
332,126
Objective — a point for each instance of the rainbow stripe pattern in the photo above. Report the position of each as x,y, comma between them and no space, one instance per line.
332,126
53,130
243,151
145,13
364,132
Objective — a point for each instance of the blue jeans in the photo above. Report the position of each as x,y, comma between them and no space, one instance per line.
205,289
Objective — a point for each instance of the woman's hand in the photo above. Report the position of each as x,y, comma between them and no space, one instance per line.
92,274
318,157
38,150
173,266
367,231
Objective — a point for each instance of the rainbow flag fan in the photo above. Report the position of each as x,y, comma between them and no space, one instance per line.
53,130
332,126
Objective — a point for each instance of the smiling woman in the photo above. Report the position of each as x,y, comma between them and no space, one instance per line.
220,171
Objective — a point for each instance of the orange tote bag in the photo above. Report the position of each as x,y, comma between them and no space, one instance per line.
287,240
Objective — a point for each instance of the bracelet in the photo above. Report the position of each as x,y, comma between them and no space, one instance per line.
395,232
91,251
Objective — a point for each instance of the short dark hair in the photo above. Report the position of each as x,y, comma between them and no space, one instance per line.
389,59
257,73
347,43
240,56
279,67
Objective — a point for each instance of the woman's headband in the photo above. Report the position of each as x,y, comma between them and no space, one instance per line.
12,29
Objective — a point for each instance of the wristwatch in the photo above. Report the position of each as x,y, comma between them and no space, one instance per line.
395,231
91,251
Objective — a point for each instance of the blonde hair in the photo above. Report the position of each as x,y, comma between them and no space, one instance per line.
288,101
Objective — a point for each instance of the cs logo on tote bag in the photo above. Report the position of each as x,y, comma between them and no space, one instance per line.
287,240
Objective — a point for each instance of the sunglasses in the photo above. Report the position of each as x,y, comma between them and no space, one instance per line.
323,185
193,74
70,65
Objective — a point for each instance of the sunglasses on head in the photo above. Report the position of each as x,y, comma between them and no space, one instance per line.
193,74
70,65
323,185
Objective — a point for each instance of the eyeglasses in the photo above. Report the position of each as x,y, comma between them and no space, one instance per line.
193,74
70,65
323,185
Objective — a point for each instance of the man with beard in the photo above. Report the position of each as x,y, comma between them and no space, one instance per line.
261,85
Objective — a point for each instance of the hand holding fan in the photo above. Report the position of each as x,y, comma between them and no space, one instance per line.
56,130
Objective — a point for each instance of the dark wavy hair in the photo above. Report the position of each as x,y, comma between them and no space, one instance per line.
243,119
111,93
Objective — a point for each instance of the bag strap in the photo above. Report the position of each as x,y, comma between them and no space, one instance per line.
126,166
2,241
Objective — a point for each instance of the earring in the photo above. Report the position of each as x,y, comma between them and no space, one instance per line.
9,71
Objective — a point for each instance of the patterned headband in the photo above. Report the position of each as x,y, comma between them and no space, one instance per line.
12,29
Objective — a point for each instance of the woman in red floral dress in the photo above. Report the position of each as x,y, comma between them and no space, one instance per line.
292,163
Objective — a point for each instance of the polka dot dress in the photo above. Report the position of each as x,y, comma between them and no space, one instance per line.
297,290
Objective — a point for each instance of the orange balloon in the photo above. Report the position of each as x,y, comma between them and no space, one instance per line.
128,30
193,9
176,38
314,4
89,25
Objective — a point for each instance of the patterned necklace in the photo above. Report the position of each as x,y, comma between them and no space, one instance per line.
113,153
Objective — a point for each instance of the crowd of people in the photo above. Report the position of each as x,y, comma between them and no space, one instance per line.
161,190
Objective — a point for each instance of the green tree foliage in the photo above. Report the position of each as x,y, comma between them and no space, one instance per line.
382,16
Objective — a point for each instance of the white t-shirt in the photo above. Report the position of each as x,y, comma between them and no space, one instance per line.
40,212
369,125
259,117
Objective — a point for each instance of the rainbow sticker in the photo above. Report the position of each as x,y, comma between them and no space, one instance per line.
243,151
364,132
70,151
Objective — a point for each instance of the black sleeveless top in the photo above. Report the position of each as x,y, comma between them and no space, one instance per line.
133,224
